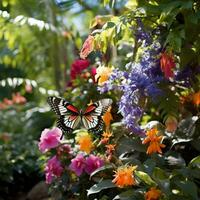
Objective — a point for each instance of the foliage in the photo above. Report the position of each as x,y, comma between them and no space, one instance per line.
142,54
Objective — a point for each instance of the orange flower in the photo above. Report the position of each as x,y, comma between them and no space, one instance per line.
152,194
124,176
167,64
85,142
106,137
107,134
107,117
196,98
102,74
154,140
88,47
104,140
110,148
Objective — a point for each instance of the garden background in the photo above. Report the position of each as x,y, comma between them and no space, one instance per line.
142,54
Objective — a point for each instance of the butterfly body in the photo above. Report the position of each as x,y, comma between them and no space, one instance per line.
69,117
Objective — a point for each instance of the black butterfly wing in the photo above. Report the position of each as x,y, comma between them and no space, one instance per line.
92,117
69,116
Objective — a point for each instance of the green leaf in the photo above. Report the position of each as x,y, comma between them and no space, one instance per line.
159,174
101,169
188,188
195,162
149,165
132,4
145,177
130,195
104,184
128,145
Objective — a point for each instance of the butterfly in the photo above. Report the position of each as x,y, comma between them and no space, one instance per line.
69,116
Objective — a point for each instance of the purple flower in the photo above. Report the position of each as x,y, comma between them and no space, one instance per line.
78,164
139,80
53,169
49,139
92,163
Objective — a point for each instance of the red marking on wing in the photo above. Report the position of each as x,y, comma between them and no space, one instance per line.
72,108
72,117
90,109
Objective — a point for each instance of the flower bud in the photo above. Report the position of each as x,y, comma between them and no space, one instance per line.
171,124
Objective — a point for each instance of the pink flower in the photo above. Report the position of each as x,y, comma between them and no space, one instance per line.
17,98
49,139
92,163
78,164
65,149
53,169
167,64
77,67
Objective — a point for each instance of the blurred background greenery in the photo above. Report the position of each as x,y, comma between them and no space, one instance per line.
38,42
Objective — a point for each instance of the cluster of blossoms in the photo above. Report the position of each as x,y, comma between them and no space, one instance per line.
81,164
138,81
78,69
54,168
154,141
141,79
17,98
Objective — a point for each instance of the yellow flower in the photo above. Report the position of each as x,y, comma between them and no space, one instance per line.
88,47
102,74
154,141
85,142
152,194
124,176
196,98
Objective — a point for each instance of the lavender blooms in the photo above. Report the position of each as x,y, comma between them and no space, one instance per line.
140,80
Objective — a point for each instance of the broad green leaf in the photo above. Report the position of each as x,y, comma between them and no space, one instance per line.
128,145
145,177
104,184
100,169
149,166
195,162
159,174
188,188
130,195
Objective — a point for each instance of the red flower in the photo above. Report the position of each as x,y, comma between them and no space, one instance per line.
167,64
93,73
77,67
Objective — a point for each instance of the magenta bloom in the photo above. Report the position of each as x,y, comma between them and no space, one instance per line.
49,139
77,67
78,164
92,163
53,169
